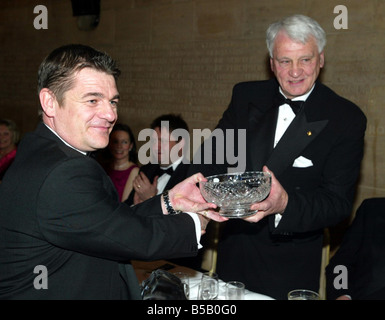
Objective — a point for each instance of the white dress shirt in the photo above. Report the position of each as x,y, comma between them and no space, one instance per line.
164,178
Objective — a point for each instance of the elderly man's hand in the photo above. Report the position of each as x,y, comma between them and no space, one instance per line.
276,202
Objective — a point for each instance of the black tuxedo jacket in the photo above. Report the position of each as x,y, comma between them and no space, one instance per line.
328,136
59,209
181,173
362,252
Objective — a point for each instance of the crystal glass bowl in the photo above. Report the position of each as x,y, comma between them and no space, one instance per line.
234,193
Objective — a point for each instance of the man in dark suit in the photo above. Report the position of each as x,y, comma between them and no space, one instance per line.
361,256
64,234
169,166
313,153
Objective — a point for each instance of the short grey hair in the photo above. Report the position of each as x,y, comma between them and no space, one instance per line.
298,28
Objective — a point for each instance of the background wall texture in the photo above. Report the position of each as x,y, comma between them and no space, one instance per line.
184,56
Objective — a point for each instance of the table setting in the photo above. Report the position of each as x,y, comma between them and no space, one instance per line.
233,193
194,282
232,290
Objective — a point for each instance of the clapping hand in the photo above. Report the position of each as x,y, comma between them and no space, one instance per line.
144,189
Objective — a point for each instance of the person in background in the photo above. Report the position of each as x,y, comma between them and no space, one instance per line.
313,149
64,233
165,171
357,270
122,166
9,138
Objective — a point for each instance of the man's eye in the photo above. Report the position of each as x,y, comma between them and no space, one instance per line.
114,103
284,62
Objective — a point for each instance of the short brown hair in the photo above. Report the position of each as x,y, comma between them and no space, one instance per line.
57,70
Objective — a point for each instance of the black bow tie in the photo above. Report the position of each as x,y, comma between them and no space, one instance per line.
162,171
295,105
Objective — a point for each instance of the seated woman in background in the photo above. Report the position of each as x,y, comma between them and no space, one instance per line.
9,137
122,162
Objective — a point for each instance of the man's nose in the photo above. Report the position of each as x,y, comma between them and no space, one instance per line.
108,112
296,70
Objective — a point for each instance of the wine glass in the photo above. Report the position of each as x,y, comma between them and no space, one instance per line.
303,294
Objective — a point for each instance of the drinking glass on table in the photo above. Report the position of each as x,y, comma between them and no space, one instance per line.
235,290
212,276
184,278
302,294
207,289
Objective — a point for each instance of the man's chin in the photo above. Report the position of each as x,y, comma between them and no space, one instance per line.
99,145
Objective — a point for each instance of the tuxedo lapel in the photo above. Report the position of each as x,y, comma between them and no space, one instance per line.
297,136
260,137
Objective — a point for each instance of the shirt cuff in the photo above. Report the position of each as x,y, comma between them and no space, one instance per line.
197,223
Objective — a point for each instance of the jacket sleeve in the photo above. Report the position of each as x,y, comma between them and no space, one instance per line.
341,281
79,210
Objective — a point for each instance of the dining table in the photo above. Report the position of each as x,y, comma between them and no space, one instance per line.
143,270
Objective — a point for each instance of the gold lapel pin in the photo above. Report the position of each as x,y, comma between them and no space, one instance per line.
308,133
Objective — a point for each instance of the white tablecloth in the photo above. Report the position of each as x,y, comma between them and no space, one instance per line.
195,280
143,270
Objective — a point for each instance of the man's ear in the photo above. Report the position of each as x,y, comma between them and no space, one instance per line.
48,102
271,64
322,59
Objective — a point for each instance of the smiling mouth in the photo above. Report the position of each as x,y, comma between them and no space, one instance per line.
296,81
103,129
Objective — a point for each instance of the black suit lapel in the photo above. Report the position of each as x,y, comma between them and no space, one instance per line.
260,137
297,136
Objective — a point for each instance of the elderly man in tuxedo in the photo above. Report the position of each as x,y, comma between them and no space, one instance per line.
64,234
313,148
